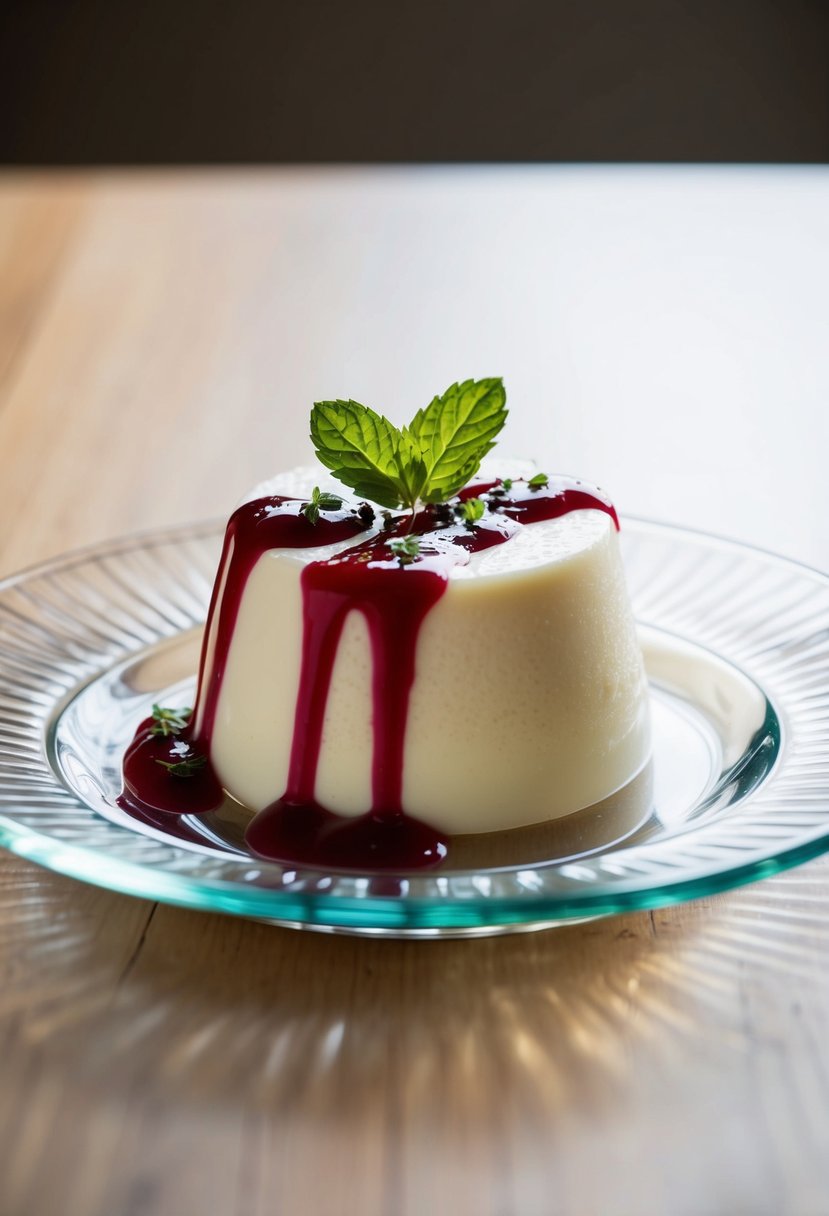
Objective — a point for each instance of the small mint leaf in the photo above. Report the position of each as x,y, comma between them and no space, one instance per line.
169,721
472,509
329,502
539,482
405,549
188,766
319,501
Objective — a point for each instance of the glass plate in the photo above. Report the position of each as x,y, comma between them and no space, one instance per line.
737,650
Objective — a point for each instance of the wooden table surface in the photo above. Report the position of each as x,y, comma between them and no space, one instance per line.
161,339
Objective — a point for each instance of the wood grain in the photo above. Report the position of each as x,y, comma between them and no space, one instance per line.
160,339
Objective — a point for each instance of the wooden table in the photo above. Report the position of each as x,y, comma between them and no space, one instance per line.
161,340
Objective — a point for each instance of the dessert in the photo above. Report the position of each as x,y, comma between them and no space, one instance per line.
375,680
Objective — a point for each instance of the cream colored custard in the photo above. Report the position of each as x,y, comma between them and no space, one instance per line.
529,697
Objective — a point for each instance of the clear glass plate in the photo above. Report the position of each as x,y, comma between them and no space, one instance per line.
737,649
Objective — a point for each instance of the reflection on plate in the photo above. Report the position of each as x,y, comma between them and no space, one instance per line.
737,651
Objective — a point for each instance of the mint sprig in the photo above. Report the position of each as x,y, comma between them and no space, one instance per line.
188,766
425,462
405,549
471,510
169,721
319,501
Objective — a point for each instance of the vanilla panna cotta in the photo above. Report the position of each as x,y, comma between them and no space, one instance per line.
527,698
444,653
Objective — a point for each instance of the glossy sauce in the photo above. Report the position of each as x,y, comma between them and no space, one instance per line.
394,592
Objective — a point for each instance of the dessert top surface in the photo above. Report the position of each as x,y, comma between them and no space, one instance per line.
447,544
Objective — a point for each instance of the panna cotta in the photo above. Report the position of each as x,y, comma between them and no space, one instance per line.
375,681
492,681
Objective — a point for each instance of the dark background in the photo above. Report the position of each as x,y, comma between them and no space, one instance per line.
212,81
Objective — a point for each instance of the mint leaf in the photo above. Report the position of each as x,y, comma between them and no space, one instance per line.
539,482
367,452
188,766
319,501
329,502
472,509
405,549
169,721
455,431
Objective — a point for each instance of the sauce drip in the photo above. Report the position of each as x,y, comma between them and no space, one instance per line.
395,592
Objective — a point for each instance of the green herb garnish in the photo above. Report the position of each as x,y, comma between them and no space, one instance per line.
456,431
471,510
425,462
405,549
320,501
539,482
187,766
506,482
169,721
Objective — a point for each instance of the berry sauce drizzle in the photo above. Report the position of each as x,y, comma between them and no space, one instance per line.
394,591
